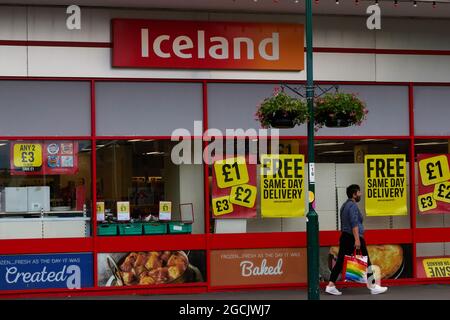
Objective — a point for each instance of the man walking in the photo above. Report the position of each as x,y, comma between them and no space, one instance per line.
352,237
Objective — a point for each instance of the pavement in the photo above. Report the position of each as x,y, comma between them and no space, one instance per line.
407,292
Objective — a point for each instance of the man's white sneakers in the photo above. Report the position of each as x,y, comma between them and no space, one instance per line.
377,289
333,290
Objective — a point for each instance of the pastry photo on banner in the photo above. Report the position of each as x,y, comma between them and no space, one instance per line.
151,268
394,261
434,183
234,189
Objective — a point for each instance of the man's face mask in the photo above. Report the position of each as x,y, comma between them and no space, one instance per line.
358,196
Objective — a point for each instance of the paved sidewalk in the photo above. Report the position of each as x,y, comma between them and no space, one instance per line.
418,292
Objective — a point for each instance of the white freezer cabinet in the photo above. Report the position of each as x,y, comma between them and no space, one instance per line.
25,199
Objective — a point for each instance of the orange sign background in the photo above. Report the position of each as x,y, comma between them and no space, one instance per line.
159,43
258,266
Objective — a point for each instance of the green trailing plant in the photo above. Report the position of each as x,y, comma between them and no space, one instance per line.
339,110
281,111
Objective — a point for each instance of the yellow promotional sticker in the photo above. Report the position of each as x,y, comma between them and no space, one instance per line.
231,172
434,170
123,210
100,211
437,267
27,155
222,206
243,195
442,192
385,185
426,202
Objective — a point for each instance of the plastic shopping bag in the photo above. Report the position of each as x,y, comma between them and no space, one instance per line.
355,268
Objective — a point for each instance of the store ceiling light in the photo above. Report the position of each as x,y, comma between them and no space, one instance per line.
329,144
338,151
154,153
135,140
2,144
430,143
369,140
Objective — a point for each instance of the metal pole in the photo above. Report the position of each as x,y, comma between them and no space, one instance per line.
312,219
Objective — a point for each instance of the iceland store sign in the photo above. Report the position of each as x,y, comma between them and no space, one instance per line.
46,271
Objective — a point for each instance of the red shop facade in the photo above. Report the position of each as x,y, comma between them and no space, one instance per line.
93,157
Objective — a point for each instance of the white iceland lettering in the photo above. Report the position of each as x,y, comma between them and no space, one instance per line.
216,47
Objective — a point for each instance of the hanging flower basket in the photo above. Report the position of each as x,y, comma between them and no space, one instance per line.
339,120
339,110
281,111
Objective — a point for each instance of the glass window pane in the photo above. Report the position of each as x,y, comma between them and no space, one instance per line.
141,174
45,108
431,110
233,106
250,220
386,104
45,189
147,109
340,163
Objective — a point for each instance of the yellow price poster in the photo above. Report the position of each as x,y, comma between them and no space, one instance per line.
426,202
165,210
385,185
436,267
222,206
434,170
434,179
231,172
234,189
27,156
123,210
100,211
243,195
282,186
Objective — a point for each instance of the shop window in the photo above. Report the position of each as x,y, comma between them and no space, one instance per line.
140,190
45,108
432,186
147,109
45,189
233,106
249,204
387,105
340,163
431,112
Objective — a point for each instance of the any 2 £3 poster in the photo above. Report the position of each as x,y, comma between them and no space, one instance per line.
36,158
385,185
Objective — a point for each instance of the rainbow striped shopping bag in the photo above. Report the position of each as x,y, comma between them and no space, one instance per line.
355,268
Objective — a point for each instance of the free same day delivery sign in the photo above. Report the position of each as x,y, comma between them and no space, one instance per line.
282,182
385,185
